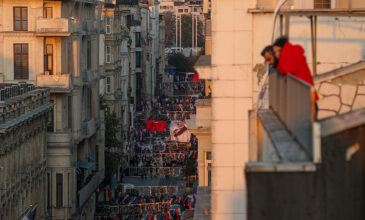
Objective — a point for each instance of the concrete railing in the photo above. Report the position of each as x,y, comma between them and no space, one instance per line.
293,101
85,192
12,108
57,26
59,81
88,128
59,138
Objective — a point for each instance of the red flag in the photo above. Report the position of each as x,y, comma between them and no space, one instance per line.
155,125
195,77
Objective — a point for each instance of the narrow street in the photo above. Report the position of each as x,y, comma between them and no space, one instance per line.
160,179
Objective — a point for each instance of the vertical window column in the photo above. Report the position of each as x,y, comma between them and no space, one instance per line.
20,18
21,61
48,59
108,54
59,190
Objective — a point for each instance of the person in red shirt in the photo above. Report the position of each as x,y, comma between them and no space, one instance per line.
292,60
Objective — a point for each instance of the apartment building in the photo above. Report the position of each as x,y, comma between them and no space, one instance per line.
181,7
23,150
240,30
55,44
115,40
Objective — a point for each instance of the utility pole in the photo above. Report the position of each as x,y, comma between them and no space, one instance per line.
196,32
180,32
176,30
192,31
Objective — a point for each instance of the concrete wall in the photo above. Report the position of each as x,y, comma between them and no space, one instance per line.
232,36
341,95
335,191
23,157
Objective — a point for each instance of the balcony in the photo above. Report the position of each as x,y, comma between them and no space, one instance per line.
57,83
90,26
89,76
59,138
284,137
88,128
85,192
56,26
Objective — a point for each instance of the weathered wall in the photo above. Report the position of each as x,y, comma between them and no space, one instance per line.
341,94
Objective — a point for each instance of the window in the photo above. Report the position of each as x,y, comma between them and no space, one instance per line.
21,61
139,85
20,19
48,59
49,190
138,59
322,3
50,121
186,10
208,168
108,84
108,26
123,20
138,39
59,190
108,55
88,56
181,10
69,111
47,12
129,20
209,174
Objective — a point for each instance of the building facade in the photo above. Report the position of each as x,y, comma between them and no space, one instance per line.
56,45
240,29
24,114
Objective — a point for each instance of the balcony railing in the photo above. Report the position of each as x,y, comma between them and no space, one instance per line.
286,132
88,128
88,76
90,26
85,192
58,81
294,103
57,26
59,138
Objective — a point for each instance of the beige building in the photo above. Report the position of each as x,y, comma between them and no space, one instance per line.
24,112
240,30
55,44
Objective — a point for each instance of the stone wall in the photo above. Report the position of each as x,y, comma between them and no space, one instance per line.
337,98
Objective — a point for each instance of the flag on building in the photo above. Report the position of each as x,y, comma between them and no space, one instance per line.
30,214
179,132
155,125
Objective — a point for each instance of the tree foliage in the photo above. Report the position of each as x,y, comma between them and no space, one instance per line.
112,159
112,129
181,63
186,30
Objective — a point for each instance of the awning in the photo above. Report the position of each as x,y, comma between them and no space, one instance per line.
85,165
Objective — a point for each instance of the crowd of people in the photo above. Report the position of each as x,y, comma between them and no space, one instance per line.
153,153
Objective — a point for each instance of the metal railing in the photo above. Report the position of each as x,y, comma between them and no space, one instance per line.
8,91
293,101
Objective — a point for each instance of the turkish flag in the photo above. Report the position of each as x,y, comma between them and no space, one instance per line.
155,125
195,77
